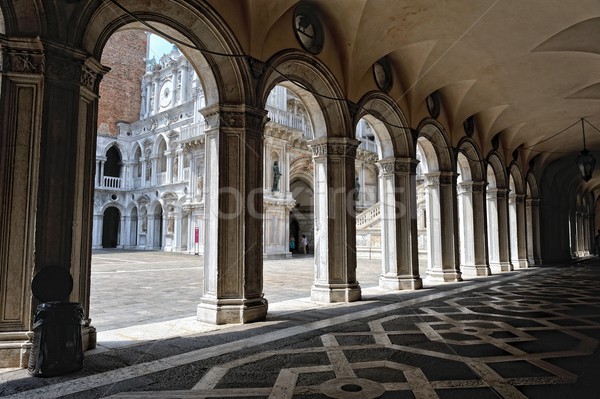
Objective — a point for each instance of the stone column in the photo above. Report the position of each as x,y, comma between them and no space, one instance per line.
521,232
399,252
154,171
335,220
179,155
156,86
442,229
97,233
586,234
22,96
579,229
233,264
473,229
46,180
498,230
169,171
532,210
184,82
101,179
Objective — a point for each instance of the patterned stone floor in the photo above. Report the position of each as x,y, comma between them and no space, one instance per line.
526,334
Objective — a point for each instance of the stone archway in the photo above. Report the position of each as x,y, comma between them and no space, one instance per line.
111,227
334,151
497,211
397,168
439,178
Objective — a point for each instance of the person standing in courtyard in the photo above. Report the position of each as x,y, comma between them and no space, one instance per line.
304,243
292,243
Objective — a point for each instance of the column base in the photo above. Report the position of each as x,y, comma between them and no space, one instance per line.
331,293
231,311
281,255
443,276
520,264
15,348
500,267
88,336
475,270
400,283
534,261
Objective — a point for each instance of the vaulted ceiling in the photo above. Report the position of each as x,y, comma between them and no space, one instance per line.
525,70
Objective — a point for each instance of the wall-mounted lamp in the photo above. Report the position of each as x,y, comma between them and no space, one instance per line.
585,161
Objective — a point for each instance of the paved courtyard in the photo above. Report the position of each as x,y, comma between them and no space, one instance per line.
531,333
132,287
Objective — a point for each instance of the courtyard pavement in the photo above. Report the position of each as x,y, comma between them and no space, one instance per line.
137,287
531,333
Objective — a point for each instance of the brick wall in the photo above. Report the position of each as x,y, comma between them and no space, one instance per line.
120,89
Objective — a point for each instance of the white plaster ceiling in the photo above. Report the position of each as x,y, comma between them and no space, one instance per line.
526,69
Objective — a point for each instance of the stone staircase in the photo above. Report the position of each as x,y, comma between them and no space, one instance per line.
368,233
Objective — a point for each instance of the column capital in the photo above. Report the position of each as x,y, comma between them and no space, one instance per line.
333,146
532,201
471,187
389,166
437,178
497,192
236,116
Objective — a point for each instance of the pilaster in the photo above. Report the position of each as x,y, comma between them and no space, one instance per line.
400,261
335,220
233,264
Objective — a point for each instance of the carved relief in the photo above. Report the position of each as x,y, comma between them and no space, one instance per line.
88,78
334,148
62,70
389,166
23,61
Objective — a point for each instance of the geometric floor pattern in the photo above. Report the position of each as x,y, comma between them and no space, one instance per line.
531,335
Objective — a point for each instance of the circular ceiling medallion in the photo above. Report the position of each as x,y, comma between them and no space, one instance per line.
433,104
308,29
469,126
382,72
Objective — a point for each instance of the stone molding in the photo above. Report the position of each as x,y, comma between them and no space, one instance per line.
391,166
471,187
497,193
533,202
439,178
234,118
23,56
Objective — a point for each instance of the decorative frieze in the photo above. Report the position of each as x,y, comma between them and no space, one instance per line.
334,147
397,165
254,120
497,193
437,178
28,61
471,187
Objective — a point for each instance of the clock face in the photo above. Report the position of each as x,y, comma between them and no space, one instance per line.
165,94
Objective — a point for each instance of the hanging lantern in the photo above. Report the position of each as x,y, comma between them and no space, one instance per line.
585,160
